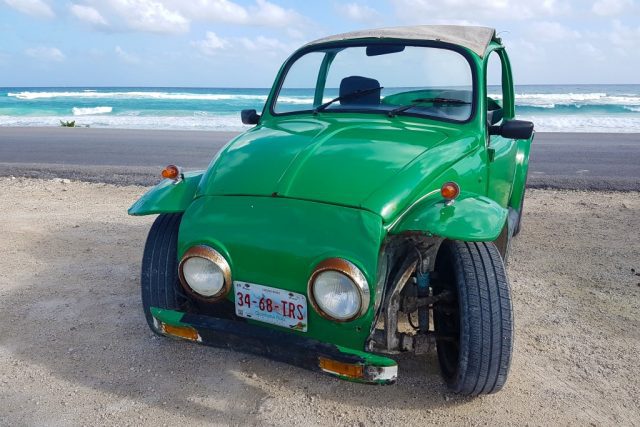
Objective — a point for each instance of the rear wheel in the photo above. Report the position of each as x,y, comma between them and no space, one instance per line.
475,332
159,278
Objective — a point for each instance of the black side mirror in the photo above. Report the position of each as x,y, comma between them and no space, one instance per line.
249,117
513,129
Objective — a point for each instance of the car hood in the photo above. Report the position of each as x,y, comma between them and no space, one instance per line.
339,161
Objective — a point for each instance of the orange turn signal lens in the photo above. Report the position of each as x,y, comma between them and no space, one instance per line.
450,190
185,332
340,368
171,172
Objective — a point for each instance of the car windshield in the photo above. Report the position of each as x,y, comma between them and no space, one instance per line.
390,79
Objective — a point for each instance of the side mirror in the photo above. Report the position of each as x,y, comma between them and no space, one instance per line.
249,117
513,129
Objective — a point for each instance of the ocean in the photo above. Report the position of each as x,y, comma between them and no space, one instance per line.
553,108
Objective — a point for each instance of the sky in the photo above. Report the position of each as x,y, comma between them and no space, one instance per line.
225,43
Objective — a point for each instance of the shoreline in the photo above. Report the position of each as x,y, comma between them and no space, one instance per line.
559,160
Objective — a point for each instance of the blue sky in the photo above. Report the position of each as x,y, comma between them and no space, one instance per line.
242,43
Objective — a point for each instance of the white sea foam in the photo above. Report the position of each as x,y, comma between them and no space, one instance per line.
543,123
585,123
222,122
551,100
542,100
29,95
87,111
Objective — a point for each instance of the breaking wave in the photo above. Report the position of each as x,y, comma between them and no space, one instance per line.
80,111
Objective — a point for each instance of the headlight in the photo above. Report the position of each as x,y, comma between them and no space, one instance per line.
338,290
205,273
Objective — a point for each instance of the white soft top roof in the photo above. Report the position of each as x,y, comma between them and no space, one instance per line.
474,38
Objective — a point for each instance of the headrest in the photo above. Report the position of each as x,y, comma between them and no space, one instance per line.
357,83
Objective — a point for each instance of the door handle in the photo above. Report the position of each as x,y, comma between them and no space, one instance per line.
491,154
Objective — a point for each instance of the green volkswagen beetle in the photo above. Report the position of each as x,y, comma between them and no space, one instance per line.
368,212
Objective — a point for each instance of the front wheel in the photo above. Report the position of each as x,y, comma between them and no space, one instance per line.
159,279
475,332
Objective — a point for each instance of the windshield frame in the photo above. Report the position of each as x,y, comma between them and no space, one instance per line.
367,42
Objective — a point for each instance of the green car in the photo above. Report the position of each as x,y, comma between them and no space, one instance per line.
367,213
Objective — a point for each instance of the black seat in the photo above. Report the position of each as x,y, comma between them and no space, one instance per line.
358,84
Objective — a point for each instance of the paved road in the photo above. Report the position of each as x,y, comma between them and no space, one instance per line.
558,160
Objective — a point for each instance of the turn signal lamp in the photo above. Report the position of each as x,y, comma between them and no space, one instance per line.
340,368
450,190
185,332
171,172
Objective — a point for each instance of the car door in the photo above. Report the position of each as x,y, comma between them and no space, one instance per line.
501,152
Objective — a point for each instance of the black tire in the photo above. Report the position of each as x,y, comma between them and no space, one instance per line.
477,328
159,279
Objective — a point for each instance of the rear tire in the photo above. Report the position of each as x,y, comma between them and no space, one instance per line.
476,330
159,279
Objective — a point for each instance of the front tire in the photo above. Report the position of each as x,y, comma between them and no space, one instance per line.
475,332
159,279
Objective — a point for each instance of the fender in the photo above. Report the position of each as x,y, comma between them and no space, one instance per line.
168,196
522,168
471,217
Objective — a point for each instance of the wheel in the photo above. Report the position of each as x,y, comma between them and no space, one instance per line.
474,333
159,279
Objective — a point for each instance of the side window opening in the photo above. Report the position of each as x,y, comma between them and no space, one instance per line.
495,93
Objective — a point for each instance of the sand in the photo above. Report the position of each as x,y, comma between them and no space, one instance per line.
75,349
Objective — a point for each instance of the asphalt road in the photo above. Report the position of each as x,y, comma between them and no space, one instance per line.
122,156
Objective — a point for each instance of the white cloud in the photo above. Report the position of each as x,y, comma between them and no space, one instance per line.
590,51
551,31
272,15
211,44
211,10
358,12
127,57
262,43
627,39
255,47
261,13
175,16
36,8
88,14
610,7
415,11
150,16
46,53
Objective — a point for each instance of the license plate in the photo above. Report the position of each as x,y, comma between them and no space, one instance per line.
271,305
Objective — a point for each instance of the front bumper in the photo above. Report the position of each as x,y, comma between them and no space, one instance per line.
285,347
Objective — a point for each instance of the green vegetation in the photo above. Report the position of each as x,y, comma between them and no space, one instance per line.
68,124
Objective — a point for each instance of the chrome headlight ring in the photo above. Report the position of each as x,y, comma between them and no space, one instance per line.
355,276
213,256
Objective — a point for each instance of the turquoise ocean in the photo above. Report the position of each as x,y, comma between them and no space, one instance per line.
553,108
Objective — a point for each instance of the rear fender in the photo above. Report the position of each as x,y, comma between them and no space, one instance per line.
522,168
168,196
471,217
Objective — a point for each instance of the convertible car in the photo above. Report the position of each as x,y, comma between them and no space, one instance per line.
366,212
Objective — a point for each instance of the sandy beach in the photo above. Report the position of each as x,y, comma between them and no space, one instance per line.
75,349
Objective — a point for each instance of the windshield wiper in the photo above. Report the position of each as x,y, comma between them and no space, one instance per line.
353,94
415,102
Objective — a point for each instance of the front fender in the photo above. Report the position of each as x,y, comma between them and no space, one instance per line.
471,217
168,196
